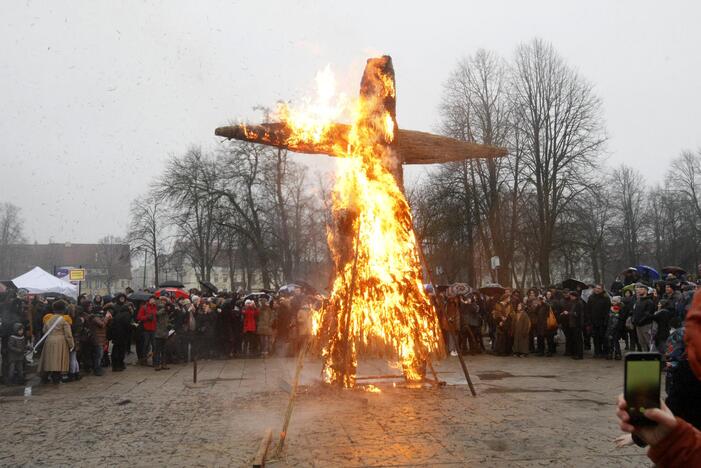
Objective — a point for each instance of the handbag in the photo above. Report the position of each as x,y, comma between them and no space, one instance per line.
551,322
629,324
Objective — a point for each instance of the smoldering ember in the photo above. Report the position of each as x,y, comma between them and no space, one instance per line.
286,275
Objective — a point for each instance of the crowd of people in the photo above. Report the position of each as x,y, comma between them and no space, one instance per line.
637,317
94,334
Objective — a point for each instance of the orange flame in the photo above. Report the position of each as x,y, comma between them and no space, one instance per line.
377,304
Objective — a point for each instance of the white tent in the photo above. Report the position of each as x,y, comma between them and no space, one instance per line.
37,281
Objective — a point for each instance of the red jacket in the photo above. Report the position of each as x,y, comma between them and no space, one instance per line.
250,314
147,316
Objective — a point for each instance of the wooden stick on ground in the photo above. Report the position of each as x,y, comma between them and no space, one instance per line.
290,403
379,377
467,374
259,459
436,381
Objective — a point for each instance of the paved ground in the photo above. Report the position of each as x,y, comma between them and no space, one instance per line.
528,412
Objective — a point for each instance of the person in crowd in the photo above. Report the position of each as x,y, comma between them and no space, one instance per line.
266,327
642,316
531,306
55,353
672,440
146,317
614,329
17,347
630,336
520,330
206,320
598,306
161,334
470,326
503,316
575,321
250,316
10,314
450,323
236,325
120,332
545,332
98,323
303,326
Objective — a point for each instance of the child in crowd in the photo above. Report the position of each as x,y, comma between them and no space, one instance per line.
17,347
614,328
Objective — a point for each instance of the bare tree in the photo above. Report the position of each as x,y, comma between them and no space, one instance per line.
476,107
147,228
11,233
629,195
111,253
189,187
558,115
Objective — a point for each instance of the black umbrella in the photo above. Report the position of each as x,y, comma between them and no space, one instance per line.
675,270
142,296
572,284
172,284
307,288
493,289
210,286
51,296
289,288
7,285
257,296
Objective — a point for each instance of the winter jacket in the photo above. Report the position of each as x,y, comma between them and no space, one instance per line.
266,320
10,314
98,328
162,325
576,314
451,317
17,346
643,311
599,306
147,316
616,322
681,447
250,314
121,322
541,325
55,354
469,315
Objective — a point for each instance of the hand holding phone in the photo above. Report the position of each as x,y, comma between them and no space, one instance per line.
642,386
652,435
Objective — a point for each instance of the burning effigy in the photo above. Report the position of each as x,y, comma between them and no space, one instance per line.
377,305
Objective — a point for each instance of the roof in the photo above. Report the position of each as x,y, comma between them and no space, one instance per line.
117,257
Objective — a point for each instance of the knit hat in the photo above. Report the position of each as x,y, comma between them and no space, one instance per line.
616,300
59,306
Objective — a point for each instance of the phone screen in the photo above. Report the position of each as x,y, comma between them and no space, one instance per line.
642,390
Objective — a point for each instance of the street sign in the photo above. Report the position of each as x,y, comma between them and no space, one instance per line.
77,274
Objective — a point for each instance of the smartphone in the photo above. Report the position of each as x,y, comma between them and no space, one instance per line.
642,385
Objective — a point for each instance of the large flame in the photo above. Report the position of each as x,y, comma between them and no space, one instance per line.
377,305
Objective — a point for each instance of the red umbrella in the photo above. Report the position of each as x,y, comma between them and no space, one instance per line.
176,293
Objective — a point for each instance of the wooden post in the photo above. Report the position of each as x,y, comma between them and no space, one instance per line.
259,459
467,374
194,370
293,393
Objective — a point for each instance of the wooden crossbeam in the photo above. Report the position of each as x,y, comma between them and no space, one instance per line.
413,147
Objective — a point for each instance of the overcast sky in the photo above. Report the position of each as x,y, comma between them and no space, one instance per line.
95,96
